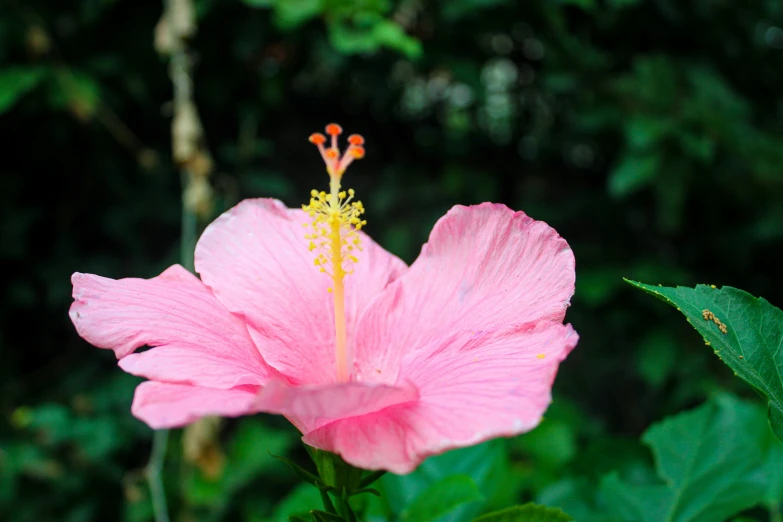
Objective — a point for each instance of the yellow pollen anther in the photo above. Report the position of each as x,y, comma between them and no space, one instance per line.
336,221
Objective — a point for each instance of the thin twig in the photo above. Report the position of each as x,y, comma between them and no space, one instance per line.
188,153
189,230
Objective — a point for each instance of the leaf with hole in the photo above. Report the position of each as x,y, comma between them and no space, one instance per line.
745,332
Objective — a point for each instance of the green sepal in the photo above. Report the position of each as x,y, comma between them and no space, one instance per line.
371,478
365,490
301,472
328,505
345,508
335,472
323,516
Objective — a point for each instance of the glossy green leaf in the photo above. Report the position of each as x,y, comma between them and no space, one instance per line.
15,82
745,332
527,513
711,461
441,498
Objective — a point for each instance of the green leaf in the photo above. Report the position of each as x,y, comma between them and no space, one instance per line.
773,496
441,498
527,513
643,132
552,443
298,503
290,14
751,343
15,82
633,173
457,9
482,463
577,497
348,38
711,460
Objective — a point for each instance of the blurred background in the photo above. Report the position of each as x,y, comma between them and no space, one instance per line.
649,133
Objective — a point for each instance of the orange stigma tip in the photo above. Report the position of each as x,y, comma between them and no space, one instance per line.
355,139
333,129
358,152
317,138
331,153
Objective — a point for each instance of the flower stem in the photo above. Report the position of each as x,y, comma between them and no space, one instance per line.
153,472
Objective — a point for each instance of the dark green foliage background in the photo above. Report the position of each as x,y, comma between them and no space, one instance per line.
649,133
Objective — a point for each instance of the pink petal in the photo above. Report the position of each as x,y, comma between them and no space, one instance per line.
485,268
256,259
199,341
473,387
309,407
166,405
197,366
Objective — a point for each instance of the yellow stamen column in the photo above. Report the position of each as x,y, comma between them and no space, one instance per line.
338,289
334,235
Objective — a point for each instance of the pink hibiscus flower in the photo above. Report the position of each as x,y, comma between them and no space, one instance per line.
381,363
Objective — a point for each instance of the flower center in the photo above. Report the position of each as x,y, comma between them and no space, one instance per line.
333,232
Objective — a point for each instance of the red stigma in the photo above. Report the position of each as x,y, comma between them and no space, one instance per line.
333,129
336,160
317,138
